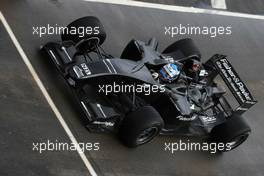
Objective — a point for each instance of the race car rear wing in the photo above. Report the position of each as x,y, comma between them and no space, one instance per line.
237,87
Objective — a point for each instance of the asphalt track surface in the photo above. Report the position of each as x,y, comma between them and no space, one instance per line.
241,6
26,117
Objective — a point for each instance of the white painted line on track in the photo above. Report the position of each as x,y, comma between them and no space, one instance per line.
218,4
46,95
178,8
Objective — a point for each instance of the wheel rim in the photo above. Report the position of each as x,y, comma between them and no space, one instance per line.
146,135
238,140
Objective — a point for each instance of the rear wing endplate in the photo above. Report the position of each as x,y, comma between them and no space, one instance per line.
233,82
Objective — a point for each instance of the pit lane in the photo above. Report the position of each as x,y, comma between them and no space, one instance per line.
244,48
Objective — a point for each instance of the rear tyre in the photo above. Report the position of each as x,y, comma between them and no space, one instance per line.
88,33
184,48
232,133
140,126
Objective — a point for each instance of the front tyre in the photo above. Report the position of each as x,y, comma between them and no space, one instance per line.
92,33
231,133
183,48
140,126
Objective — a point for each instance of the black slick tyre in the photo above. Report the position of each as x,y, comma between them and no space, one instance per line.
183,48
140,126
231,133
92,33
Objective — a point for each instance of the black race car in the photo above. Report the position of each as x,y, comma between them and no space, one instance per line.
145,93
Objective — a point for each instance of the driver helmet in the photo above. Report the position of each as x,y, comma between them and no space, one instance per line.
169,72
193,65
